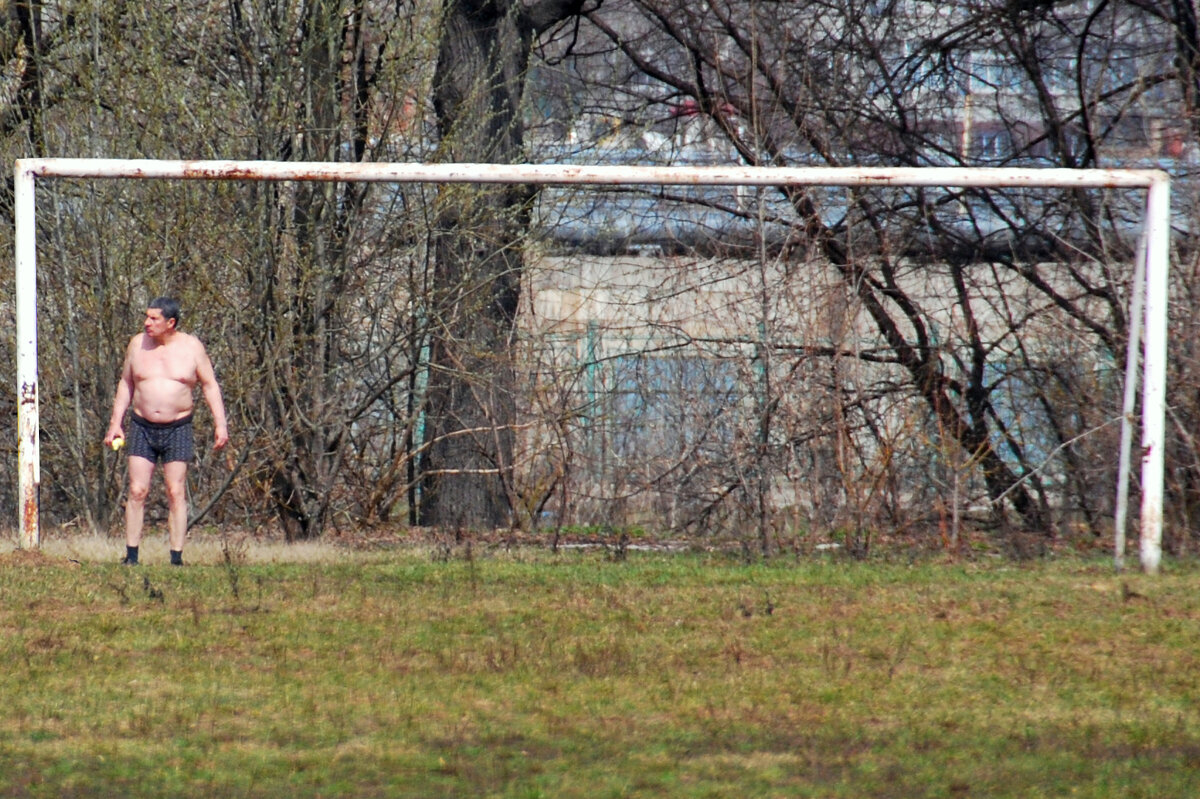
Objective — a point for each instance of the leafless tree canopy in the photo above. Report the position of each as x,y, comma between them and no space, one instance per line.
782,367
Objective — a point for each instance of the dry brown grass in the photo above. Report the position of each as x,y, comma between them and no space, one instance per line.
201,549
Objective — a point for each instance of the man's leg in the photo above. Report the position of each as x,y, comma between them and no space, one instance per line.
140,471
175,477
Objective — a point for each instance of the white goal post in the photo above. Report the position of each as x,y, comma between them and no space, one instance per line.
1150,273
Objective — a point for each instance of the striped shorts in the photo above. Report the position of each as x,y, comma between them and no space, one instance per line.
161,441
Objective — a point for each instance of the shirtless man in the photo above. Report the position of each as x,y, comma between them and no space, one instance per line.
162,367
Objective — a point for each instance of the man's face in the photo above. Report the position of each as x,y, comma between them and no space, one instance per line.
155,325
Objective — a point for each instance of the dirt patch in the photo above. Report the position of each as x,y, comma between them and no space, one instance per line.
26,558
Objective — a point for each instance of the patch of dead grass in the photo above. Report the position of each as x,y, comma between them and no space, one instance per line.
203,549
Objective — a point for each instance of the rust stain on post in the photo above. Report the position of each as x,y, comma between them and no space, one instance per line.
28,449
29,517
197,170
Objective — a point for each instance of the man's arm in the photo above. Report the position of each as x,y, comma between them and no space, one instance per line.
212,395
123,397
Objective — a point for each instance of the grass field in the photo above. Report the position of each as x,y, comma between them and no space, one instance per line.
426,673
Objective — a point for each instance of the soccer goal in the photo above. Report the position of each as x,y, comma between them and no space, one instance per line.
1147,312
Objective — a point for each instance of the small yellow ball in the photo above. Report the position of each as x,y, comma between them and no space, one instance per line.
117,443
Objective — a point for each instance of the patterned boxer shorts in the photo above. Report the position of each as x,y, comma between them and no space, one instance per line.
161,441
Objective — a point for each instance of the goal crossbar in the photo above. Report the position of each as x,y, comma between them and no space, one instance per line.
1148,299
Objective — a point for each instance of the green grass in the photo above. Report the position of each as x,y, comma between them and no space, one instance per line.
530,674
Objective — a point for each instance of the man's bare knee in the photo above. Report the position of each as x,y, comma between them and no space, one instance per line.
176,494
176,486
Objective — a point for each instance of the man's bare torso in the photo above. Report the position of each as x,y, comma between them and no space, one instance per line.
164,376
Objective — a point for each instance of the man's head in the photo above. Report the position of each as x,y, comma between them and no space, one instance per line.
168,306
162,317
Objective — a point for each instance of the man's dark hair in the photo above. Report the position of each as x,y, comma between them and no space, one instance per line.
168,306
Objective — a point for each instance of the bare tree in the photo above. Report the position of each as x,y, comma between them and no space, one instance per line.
750,363
482,68
934,273
298,288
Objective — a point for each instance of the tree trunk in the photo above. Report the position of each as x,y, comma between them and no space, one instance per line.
483,58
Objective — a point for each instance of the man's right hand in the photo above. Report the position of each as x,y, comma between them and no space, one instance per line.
113,434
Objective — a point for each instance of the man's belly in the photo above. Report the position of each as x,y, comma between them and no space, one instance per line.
162,400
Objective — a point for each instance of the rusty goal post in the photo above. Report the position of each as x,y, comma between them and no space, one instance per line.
1148,298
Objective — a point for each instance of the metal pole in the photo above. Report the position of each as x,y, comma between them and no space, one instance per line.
599,175
1136,301
1154,370
28,449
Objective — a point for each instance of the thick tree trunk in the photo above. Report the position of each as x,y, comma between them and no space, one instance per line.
484,54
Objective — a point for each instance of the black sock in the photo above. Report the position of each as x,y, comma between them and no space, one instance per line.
130,554
176,557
